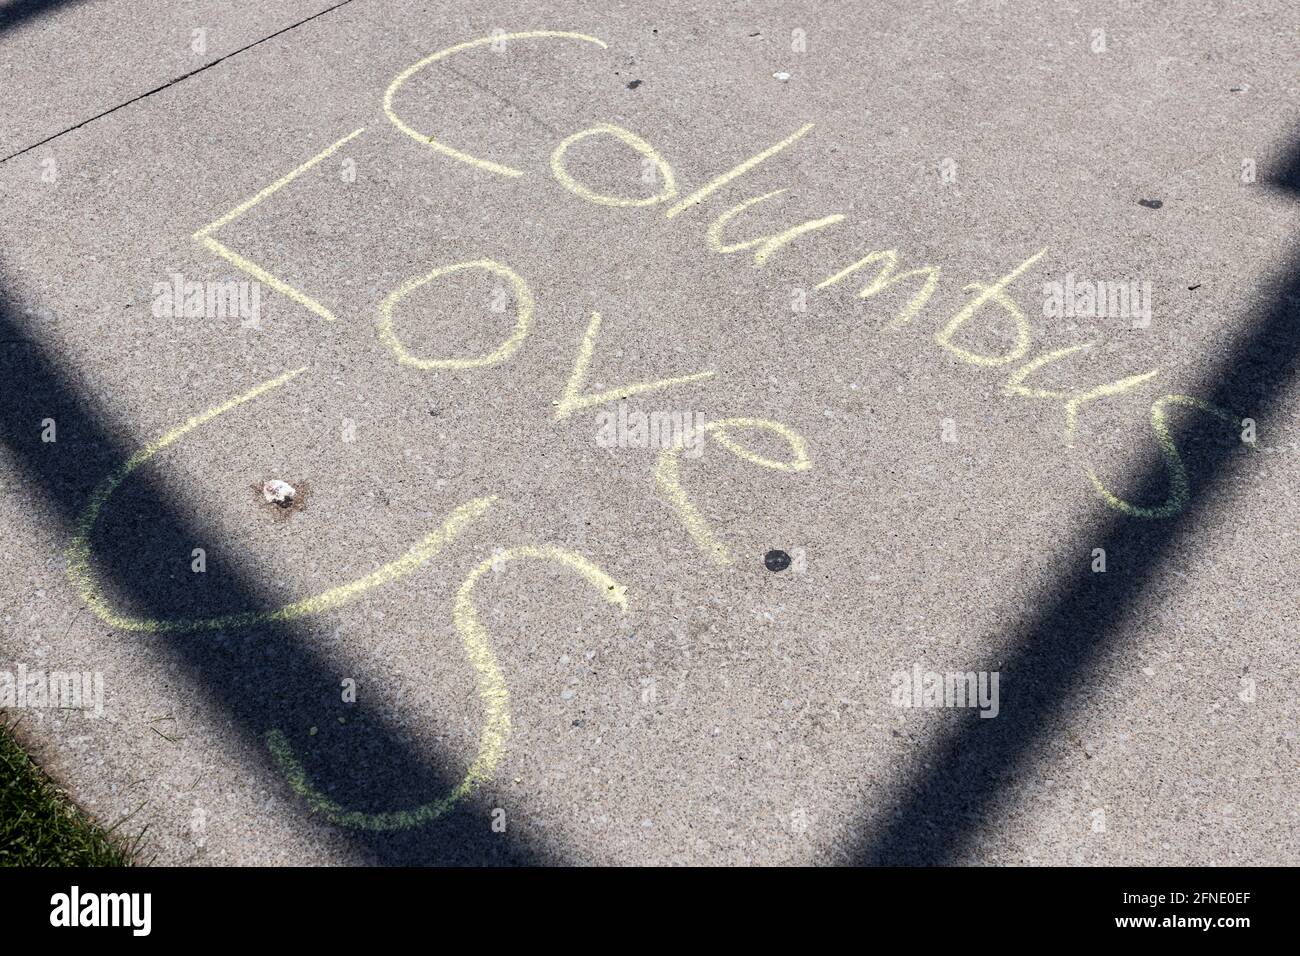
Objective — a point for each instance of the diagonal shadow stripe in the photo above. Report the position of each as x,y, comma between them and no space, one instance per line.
17,12
967,774
268,677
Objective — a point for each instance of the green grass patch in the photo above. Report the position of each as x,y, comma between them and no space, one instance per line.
39,826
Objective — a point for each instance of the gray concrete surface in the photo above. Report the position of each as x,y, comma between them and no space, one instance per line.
731,714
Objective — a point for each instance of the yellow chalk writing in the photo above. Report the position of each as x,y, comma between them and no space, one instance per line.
768,244
87,583
886,279
401,79
996,293
668,474
492,692
572,399
713,185
1073,401
1179,488
665,172
205,237
523,311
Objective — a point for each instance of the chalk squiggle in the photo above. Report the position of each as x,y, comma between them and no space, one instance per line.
492,692
87,582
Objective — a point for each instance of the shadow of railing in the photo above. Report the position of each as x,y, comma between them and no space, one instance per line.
969,772
266,677
17,12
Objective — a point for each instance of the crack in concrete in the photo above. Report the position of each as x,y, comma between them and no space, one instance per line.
172,82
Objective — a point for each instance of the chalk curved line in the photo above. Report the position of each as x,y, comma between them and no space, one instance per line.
414,68
767,244
720,430
1015,385
996,292
627,138
668,475
714,232
886,279
492,692
523,309
87,583
1180,493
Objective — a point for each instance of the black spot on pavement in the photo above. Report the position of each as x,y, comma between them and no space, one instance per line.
776,560
634,84
1150,203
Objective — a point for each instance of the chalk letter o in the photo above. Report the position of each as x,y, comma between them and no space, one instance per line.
524,308
629,138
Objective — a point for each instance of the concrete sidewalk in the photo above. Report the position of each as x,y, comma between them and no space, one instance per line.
561,320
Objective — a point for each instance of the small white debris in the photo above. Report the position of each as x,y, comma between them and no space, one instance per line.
278,492
781,76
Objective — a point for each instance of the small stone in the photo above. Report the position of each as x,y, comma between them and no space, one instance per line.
278,492
781,76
